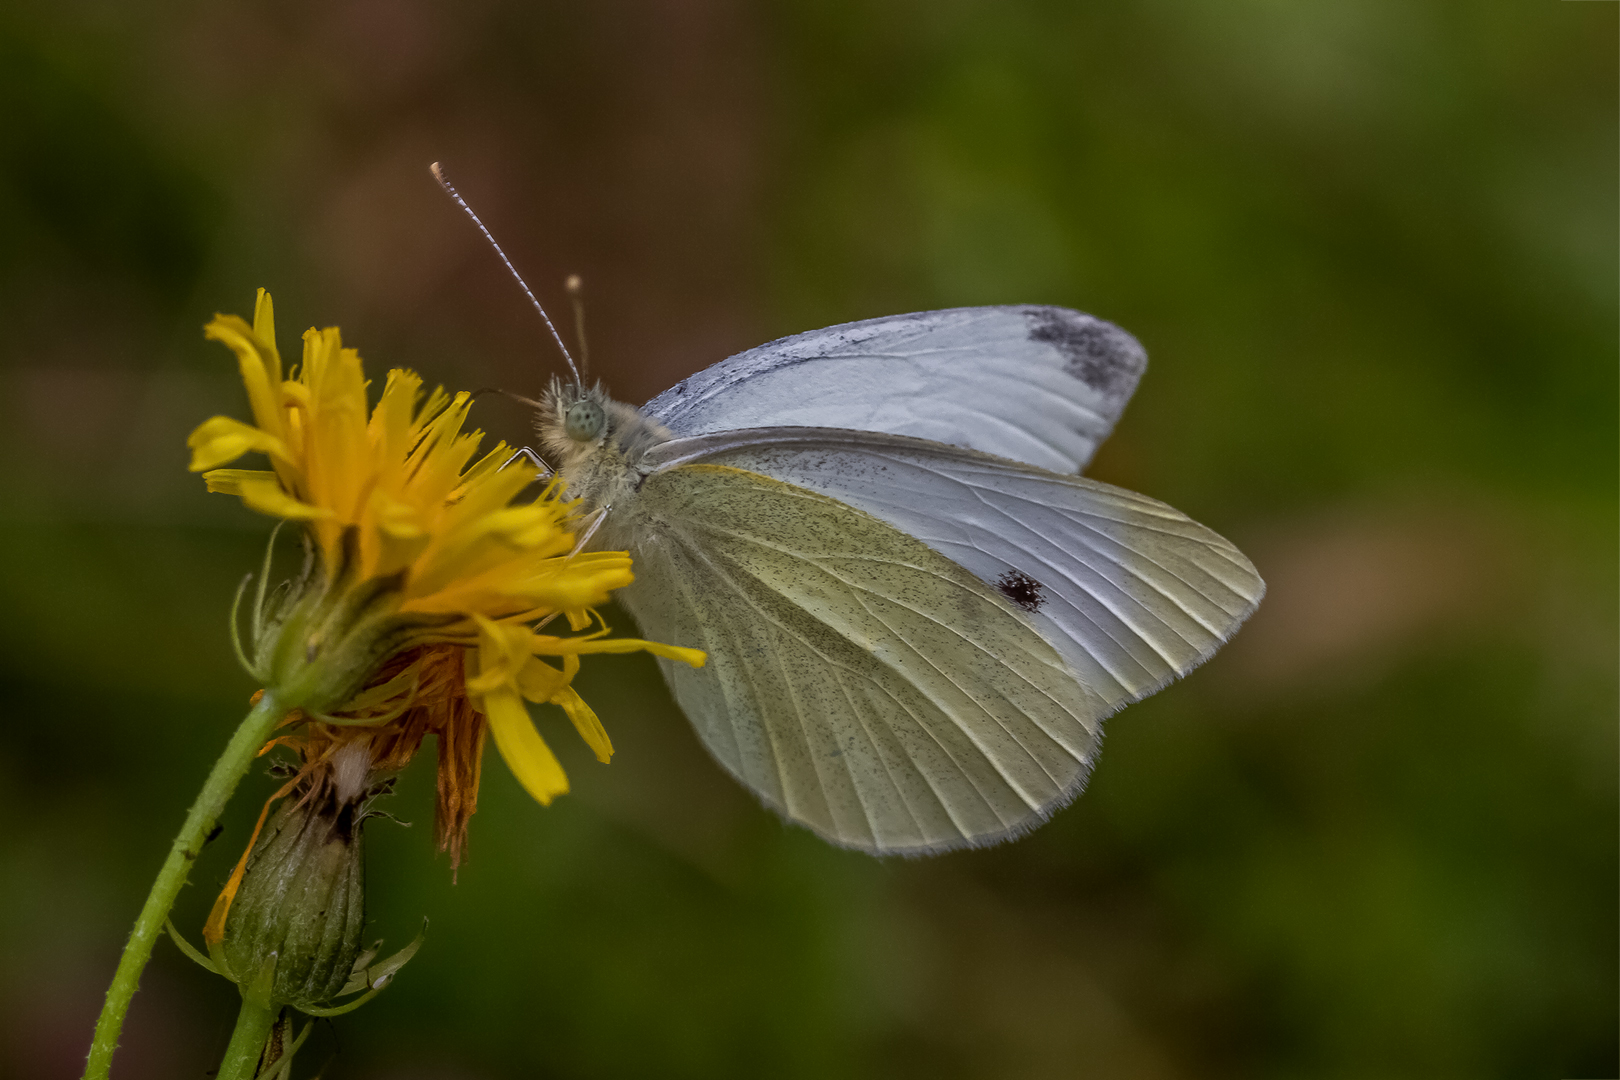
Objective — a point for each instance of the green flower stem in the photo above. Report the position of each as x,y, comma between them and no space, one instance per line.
253,1024
228,771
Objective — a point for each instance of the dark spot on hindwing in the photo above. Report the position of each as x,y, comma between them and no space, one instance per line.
1022,590
1098,353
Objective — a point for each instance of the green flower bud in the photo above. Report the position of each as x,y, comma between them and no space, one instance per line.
317,639
300,910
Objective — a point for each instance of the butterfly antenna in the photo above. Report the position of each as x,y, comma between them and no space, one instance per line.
519,398
449,189
575,287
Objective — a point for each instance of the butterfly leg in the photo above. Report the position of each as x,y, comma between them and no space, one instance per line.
534,459
590,530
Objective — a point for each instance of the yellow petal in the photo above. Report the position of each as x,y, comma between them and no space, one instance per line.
503,650
586,723
539,681
390,425
576,582
230,481
555,646
487,465
337,467
435,404
260,367
691,657
267,497
220,439
264,328
400,520
526,753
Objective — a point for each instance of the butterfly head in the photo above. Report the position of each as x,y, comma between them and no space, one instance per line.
573,418
596,443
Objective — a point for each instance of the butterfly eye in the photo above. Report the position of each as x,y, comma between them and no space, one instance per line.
583,421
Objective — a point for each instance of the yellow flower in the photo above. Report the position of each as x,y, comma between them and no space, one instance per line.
418,553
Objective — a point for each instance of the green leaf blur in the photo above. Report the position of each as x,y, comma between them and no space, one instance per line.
1371,248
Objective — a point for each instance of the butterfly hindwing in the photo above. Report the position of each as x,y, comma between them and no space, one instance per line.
859,682
1130,591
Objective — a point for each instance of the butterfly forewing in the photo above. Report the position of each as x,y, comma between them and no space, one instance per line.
859,681
1043,385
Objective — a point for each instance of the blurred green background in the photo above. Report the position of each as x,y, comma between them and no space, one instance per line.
1371,248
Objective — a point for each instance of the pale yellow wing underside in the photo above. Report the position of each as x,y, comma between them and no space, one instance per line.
859,682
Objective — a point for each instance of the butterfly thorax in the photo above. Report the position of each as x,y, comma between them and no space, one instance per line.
599,446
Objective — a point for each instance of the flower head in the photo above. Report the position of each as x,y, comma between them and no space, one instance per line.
428,581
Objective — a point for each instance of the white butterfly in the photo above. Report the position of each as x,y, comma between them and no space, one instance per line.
917,613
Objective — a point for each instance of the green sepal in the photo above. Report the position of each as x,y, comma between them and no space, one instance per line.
377,976
191,950
373,979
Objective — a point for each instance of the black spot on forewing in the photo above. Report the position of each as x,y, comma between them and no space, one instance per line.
1098,353
1022,590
